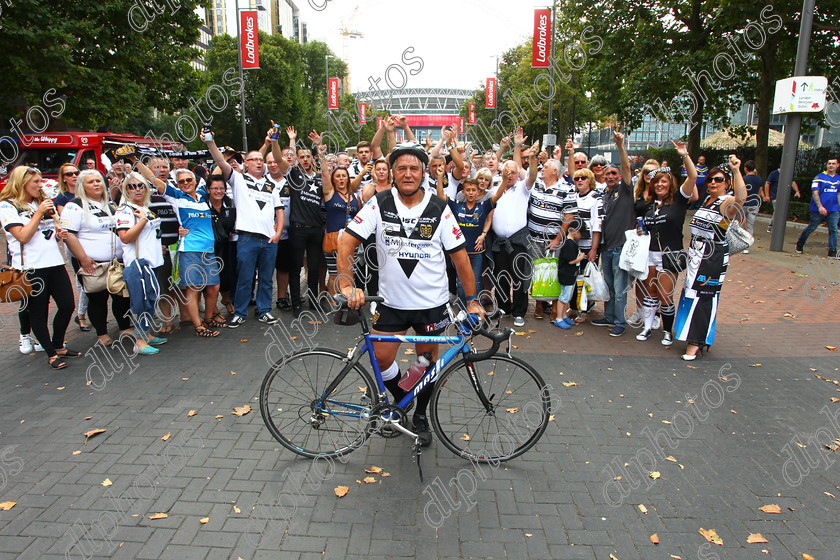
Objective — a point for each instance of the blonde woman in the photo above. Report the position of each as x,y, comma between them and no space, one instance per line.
68,176
89,221
139,231
27,219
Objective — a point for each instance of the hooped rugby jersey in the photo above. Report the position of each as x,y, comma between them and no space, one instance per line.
410,245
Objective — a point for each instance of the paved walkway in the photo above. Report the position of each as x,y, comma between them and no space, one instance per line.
701,445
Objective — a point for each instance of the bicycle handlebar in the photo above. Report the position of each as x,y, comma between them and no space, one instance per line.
342,299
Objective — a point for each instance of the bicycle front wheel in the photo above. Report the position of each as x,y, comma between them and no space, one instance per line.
299,414
506,423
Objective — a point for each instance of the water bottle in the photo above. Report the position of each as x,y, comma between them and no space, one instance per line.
416,371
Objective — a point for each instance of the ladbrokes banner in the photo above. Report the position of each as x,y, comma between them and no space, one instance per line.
542,39
249,40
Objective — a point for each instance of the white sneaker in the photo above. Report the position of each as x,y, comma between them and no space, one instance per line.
25,344
518,322
37,346
746,251
667,339
644,335
636,317
657,322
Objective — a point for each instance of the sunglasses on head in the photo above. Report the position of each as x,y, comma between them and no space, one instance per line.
33,170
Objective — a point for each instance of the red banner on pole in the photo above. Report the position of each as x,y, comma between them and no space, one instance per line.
362,113
461,128
472,114
541,53
379,121
332,93
249,40
490,101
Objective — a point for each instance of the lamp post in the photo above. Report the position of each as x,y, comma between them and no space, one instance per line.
589,134
327,72
260,8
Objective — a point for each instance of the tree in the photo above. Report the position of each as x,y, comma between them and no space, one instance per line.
109,59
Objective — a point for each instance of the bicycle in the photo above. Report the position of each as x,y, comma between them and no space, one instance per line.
322,403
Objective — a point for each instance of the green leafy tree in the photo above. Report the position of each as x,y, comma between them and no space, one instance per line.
109,59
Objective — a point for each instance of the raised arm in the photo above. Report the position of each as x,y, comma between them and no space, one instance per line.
409,134
504,143
518,140
159,184
356,181
439,177
458,168
506,173
218,158
376,143
439,144
626,176
326,181
690,182
532,165
278,154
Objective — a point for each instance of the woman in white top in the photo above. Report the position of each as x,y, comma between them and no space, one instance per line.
89,221
139,230
68,176
27,218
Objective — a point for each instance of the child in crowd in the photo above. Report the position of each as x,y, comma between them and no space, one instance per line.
569,256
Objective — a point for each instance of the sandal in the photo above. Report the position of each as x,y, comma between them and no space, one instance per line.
166,329
69,353
229,306
204,332
57,363
216,322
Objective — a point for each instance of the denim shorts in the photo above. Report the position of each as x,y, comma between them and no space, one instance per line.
197,270
566,293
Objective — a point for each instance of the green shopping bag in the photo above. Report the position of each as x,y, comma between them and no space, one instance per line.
545,286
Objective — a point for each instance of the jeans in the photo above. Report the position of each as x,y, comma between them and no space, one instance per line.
254,254
816,219
475,263
616,280
750,213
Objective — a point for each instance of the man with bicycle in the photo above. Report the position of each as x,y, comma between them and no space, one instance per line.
413,228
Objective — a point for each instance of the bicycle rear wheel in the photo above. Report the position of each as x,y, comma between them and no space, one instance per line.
514,419
296,415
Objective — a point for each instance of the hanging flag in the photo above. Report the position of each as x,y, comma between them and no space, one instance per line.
472,114
541,50
332,93
490,102
362,113
249,40
461,129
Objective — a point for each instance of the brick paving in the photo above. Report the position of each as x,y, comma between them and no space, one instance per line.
742,435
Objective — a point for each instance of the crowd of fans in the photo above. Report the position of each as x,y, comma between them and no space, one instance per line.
240,231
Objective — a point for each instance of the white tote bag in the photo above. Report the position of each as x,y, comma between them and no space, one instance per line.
634,254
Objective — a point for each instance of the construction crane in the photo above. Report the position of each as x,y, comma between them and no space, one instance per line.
348,33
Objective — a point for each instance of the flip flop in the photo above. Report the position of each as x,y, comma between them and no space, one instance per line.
69,354
57,363
167,328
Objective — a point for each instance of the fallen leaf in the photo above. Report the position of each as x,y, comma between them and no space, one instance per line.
184,378
755,365
6,506
362,389
219,416
374,470
158,516
569,384
90,433
241,410
369,479
386,474
341,491
491,372
654,538
508,392
551,418
734,411
465,437
807,556
519,333
166,437
233,373
236,510
771,508
671,458
666,422
529,534
531,331
643,509
830,494
756,538
358,481
512,410
59,388
404,361
831,348
107,482
654,475
579,333
191,413
516,347
613,556
77,452
89,417
675,557
834,399
409,351
692,367
243,340
204,520
711,536
618,478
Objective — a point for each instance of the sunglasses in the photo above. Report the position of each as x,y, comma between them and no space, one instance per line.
71,173
254,159
33,170
186,181
611,173
580,162
135,187
598,164
718,179
581,178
